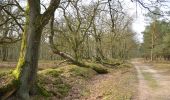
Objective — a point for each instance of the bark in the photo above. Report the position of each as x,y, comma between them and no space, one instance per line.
27,66
99,52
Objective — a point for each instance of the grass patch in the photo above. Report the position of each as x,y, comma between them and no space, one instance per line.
124,87
162,65
150,80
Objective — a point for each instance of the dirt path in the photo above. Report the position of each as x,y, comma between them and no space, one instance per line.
153,85
117,85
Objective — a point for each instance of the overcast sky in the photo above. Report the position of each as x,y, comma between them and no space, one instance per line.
139,22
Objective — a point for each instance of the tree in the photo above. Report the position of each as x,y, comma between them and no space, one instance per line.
26,71
156,39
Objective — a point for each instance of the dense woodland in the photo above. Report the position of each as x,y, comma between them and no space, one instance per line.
156,45
74,30
95,31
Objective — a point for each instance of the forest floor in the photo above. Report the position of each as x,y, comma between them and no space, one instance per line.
154,80
149,81
119,84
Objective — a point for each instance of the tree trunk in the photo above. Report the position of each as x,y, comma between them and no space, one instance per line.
152,41
4,53
26,70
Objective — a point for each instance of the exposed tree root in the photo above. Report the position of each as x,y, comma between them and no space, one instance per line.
8,85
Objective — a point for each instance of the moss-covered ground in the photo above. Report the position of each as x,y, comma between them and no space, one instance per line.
72,82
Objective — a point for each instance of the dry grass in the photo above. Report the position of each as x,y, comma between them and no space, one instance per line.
123,87
163,67
119,84
150,80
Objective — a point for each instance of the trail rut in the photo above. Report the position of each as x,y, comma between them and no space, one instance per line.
153,85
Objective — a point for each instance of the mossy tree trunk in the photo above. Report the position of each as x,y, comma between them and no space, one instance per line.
27,66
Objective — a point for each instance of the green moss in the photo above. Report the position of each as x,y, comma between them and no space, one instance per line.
114,61
52,72
51,83
98,68
54,88
21,60
125,65
8,83
58,82
83,72
62,89
42,91
16,73
150,80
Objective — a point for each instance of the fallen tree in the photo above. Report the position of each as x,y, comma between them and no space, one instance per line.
69,58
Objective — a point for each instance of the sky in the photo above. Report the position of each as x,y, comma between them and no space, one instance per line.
139,23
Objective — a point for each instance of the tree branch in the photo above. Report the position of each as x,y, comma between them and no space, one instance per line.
54,4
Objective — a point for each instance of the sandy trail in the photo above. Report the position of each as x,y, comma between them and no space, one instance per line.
153,85
119,84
